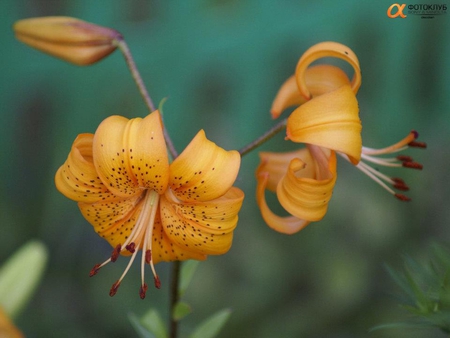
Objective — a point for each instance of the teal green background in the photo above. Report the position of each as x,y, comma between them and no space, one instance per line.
220,64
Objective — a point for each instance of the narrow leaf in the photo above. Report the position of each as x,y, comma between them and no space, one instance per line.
212,326
20,276
153,322
181,310
187,272
141,331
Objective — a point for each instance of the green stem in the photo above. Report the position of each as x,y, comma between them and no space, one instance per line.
264,138
174,297
123,47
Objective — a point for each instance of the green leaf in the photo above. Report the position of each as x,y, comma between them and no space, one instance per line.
181,310
153,322
212,326
187,272
142,331
20,276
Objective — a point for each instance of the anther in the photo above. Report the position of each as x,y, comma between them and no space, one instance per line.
114,288
417,144
143,290
94,270
116,252
404,158
131,247
400,186
402,197
148,256
413,165
157,282
415,133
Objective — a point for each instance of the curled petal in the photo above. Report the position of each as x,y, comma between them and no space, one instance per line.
131,155
319,79
330,121
70,39
321,50
307,197
113,220
276,165
287,225
203,227
203,171
287,96
77,178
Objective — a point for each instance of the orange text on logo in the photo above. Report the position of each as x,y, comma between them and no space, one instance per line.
399,11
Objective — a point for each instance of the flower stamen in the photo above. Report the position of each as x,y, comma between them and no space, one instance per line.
370,155
140,237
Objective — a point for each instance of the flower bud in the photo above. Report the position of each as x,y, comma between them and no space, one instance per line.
70,39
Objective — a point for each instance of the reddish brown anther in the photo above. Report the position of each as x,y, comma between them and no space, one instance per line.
413,165
94,270
402,197
148,256
143,290
131,247
116,252
114,288
157,282
404,158
417,144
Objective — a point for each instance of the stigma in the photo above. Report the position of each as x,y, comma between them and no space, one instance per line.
370,156
140,238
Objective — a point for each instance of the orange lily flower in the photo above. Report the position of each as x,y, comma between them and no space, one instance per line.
327,121
126,188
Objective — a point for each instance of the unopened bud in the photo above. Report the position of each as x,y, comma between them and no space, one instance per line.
70,39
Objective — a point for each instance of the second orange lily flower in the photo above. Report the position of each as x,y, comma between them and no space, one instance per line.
327,122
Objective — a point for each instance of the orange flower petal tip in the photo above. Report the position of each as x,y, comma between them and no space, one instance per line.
73,40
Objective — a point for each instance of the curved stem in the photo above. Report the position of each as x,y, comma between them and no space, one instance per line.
123,47
174,297
264,138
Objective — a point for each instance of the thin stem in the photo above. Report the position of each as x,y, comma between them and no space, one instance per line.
174,297
123,47
265,137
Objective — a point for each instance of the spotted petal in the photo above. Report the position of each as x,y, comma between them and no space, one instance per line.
77,178
330,121
131,155
203,171
202,226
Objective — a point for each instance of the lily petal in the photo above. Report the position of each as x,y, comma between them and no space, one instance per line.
113,220
319,79
205,227
77,178
331,121
307,197
203,171
131,155
276,164
166,250
286,225
321,50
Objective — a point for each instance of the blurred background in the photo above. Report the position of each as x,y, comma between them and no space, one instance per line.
220,64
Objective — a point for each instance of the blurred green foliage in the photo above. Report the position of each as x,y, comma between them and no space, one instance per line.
220,63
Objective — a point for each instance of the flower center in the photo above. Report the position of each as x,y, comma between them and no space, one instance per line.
140,237
370,155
